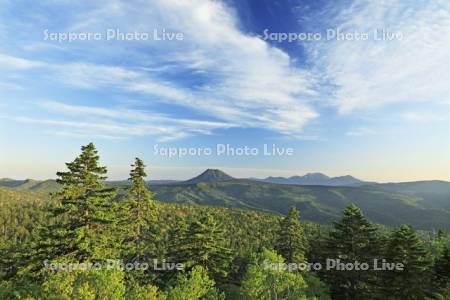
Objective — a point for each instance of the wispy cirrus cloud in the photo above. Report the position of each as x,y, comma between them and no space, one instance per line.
223,75
233,77
127,114
375,73
361,131
17,63
109,130
120,123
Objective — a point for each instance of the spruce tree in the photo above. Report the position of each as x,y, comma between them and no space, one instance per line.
202,243
442,270
291,242
412,282
352,239
139,209
137,224
84,215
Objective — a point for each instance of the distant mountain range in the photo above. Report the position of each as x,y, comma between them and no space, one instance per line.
318,179
422,204
212,175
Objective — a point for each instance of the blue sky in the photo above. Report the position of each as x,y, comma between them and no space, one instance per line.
374,108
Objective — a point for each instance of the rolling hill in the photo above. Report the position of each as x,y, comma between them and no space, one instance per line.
8,195
41,188
322,204
425,204
432,194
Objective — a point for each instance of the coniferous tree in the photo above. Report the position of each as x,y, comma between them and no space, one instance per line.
353,239
291,242
84,215
140,235
441,276
137,214
203,243
412,282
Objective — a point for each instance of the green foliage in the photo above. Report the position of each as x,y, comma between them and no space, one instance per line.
202,243
91,284
353,239
317,289
194,285
422,204
16,224
139,211
144,292
223,249
442,293
321,204
84,215
6,290
266,283
137,217
16,289
291,242
413,282
441,270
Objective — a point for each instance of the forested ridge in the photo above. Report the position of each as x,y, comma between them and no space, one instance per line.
63,248
422,204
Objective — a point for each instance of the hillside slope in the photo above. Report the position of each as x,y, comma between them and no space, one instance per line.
42,188
425,205
433,194
321,204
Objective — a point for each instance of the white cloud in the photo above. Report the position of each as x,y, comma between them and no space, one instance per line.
362,131
105,129
123,122
82,135
372,73
246,82
16,63
426,116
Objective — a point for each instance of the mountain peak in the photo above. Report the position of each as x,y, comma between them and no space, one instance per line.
317,179
210,175
315,176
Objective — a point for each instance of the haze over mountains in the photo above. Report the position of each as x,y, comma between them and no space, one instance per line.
211,175
317,179
423,204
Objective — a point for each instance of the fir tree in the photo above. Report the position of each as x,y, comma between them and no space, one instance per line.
139,215
203,243
137,224
353,239
291,242
84,215
442,270
412,282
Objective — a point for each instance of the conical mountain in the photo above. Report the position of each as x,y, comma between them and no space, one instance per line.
210,175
